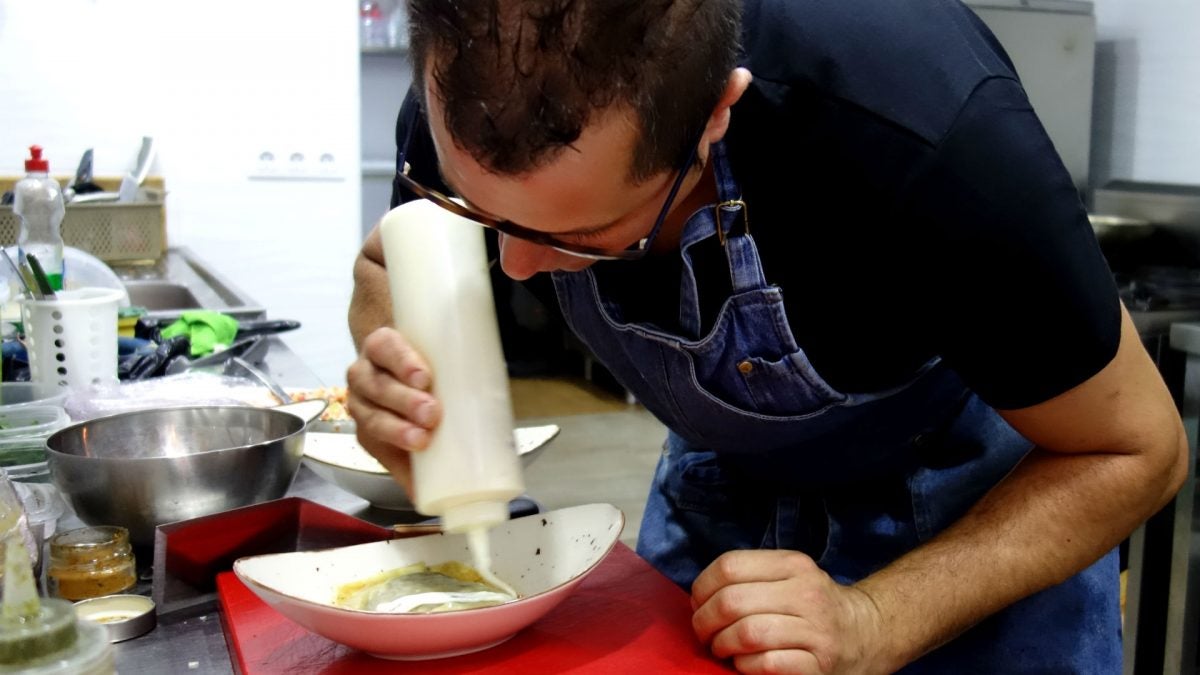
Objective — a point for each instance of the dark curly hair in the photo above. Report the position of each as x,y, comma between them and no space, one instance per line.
521,79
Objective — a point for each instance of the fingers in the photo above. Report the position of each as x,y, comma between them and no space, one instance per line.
373,433
795,661
769,632
777,612
389,399
735,602
737,567
391,408
387,349
756,603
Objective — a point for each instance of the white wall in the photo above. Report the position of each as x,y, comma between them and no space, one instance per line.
1147,99
215,82
385,79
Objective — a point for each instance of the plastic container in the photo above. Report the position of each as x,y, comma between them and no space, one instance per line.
373,23
56,642
13,526
38,202
15,395
90,562
442,303
72,340
43,506
23,434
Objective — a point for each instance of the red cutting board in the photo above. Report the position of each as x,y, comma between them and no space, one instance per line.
624,618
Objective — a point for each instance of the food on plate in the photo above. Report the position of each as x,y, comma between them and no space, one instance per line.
421,589
336,411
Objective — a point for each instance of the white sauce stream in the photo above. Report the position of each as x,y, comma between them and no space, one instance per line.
481,556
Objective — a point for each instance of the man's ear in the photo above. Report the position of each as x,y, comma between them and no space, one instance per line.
718,121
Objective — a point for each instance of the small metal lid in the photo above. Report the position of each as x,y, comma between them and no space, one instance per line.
124,616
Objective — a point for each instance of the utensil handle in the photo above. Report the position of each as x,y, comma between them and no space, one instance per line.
17,271
39,275
268,381
265,327
414,530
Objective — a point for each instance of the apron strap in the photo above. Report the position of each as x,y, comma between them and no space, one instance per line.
726,221
731,221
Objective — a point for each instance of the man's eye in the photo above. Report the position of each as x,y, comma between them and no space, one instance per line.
590,235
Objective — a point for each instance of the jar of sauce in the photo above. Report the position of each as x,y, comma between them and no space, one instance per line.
90,562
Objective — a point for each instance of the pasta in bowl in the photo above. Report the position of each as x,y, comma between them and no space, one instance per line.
543,557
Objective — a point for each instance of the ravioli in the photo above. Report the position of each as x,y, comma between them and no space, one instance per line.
421,589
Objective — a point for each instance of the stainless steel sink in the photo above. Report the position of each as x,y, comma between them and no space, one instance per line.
179,282
161,295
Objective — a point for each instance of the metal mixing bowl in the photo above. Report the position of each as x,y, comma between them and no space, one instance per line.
148,467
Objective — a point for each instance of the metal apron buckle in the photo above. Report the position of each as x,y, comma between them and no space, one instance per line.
732,203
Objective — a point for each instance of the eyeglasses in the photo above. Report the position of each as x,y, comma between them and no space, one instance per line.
634,252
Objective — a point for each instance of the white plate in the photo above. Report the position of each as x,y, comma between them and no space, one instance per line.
543,556
339,459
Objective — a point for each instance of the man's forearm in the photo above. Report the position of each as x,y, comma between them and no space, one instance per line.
371,303
1053,516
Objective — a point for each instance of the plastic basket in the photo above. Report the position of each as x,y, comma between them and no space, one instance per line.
72,340
113,232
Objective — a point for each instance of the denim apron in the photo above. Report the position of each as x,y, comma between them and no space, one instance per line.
763,453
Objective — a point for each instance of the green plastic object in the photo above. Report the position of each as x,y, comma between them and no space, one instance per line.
205,330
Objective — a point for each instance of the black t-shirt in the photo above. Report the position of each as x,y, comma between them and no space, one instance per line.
905,198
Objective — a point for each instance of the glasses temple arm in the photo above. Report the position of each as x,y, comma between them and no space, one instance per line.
662,215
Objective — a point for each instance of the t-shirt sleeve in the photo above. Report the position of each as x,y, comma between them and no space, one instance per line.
1013,286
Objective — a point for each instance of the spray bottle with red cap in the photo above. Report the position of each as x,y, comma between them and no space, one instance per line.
39,203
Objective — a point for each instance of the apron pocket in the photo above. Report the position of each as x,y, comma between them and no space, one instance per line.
960,465
785,388
696,482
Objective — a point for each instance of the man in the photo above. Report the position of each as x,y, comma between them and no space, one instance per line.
909,418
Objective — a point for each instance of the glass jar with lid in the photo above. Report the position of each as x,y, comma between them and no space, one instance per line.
90,562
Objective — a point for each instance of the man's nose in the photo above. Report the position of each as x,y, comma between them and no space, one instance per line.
521,259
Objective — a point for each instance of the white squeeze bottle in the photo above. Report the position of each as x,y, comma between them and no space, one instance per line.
442,303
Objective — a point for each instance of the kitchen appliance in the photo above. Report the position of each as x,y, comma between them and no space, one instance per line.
1170,590
1158,271
1052,44
1159,279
